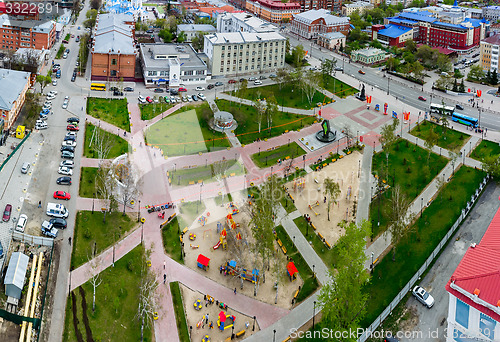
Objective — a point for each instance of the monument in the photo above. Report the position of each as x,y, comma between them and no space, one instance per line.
223,120
361,95
326,135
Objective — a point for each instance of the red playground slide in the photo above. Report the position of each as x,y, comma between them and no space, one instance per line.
217,245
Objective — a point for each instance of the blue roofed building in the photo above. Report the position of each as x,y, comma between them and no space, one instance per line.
391,34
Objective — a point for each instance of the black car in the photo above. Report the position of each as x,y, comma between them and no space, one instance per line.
64,180
59,223
158,90
174,91
195,98
117,93
70,137
262,77
128,89
390,338
210,86
113,88
242,79
73,119
459,107
68,148
73,78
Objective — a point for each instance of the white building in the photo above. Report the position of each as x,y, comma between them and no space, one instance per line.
474,291
243,22
491,13
243,52
190,30
360,6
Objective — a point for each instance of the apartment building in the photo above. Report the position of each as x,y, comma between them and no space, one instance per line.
13,87
488,52
243,52
491,13
33,34
190,30
392,35
359,6
273,11
311,23
243,22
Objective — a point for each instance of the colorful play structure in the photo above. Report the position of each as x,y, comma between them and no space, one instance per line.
198,305
202,220
299,184
203,262
311,206
235,210
291,270
233,269
222,237
222,322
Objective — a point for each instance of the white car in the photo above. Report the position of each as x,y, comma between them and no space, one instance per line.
257,82
64,170
423,296
67,163
69,143
71,134
141,99
50,97
190,99
65,104
200,89
52,92
54,82
202,97
21,223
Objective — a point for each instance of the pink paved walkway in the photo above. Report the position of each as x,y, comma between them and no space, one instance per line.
107,127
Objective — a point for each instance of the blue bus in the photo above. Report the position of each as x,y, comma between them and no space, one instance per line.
464,119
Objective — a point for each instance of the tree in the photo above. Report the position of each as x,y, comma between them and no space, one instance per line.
287,46
418,70
453,158
44,81
243,87
491,165
95,277
101,142
198,41
431,141
443,82
166,35
129,188
260,106
105,187
400,217
298,54
271,111
410,46
408,57
343,299
281,77
309,84
392,63
476,73
461,88
332,193
95,4
327,68
445,124
181,37
494,77
91,18
455,86
388,137
148,298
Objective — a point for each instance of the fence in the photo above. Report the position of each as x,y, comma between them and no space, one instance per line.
33,240
15,150
366,334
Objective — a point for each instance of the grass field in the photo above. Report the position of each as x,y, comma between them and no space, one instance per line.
186,132
327,255
113,111
248,126
87,181
270,157
486,148
452,140
120,145
171,242
91,232
60,52
180,315
207,174
114,318
151,110
339,88
408,168
389,277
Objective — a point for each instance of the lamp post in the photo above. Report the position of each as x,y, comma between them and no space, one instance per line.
139,211
371,266
175,167
93,197
142,232
274,335
314,274
259,150
253,328
304,159
388,85
421,206
244,182
314,312
294,240
288,142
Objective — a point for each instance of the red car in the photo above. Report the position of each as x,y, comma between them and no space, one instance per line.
62,195
231,81
361,72
182,89
7,212
421,98
72,128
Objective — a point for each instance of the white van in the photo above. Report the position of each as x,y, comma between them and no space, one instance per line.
57,210
41,125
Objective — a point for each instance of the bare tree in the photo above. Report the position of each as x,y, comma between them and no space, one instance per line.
332,192
281,77
95,277
148,299
453,159
400,217
349,135
101,142
309,84
260,106
105,187
129,188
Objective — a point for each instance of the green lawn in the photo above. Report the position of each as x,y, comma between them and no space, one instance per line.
180,315
114,111
119,145
151,110
60,52
389,277
67,37
90,231
270,157
339,88
452,140
189,211
486,148
285,96
310,282
206,174
186,132
171,241
87,181
248,126
114,318
407,167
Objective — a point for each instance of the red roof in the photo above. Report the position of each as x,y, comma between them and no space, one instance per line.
203,260
291,268
480,269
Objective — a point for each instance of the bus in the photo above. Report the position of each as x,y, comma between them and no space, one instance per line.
464,119
98,86
441,109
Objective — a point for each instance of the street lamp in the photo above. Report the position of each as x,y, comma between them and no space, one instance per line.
253,329
314,312
274,335
371,266
288,142
421,206
93,197
139,211
314,274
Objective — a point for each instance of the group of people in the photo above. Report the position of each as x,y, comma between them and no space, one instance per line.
307,217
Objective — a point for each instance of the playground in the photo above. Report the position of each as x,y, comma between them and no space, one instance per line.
219,245
308,193
220,317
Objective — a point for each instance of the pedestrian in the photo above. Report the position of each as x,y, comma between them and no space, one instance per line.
164,278
164,264
324,200
39,204
235,290
206,318
69,240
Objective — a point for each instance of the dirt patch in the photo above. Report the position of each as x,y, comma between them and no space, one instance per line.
78,334
88,331
410,323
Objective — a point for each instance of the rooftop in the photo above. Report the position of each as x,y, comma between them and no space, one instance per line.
36,25
158,55
242,37
12,82
112,35
494,40
369,51
257,24
476,279
394,31
358,4
312,15
196,27
332,35
277,4
417,17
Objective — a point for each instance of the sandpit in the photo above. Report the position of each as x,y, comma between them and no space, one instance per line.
345,173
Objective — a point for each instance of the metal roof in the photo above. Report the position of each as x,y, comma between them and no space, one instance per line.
312,15
16,271
196,28
12,83
417,17
394,31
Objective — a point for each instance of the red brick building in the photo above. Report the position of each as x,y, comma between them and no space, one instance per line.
30,33
311,23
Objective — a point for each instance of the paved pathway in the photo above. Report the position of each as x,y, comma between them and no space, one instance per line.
364,196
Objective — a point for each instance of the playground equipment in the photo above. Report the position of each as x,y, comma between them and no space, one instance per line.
161,215
203,262
377,107
299,184
349,192
291,270
192,236
194,246
235,210
311,206
205,338
233,269
197,304
222,240
222,322
202,220
230,222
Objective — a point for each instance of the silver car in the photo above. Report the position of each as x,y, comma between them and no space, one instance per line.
423,296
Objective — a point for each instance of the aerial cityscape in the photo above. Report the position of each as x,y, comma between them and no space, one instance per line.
160,159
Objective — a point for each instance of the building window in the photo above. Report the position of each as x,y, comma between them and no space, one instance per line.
113,61
114,73
462,314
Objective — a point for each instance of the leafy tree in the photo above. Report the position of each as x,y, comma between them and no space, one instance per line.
281,77
430,141
443,63
455,85
376,44
443,83
271,111
388,137
181,38
491,165
410,46
309,84
298,54
327,68
260,107
445,124
287,46
44,81
425,54
494,77
343,299
198,41
332,193
392,63
91,19
400,217
408,57
166,35
418,70
488,76
476,73
95,4
461,88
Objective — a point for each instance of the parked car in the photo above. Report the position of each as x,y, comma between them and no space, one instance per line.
128,89
1,250
173,91
54,82
338,68
69,138
242,79
7,212
210,86
251,79
182,89
63,170
63,180
72,128
67,163
390,338
272,76
59,223
158,90
67,148
73,119
69,143
231,81
67,155
200,88
219,84
149,99
262,77
65,104
25,168
49,230
141,99
201,96
73,78
459,107
21,223
421,98
62,195
423,296
257,82
117,93
361,72
195,98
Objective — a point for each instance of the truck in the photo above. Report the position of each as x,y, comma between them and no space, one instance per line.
57,210
49,230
